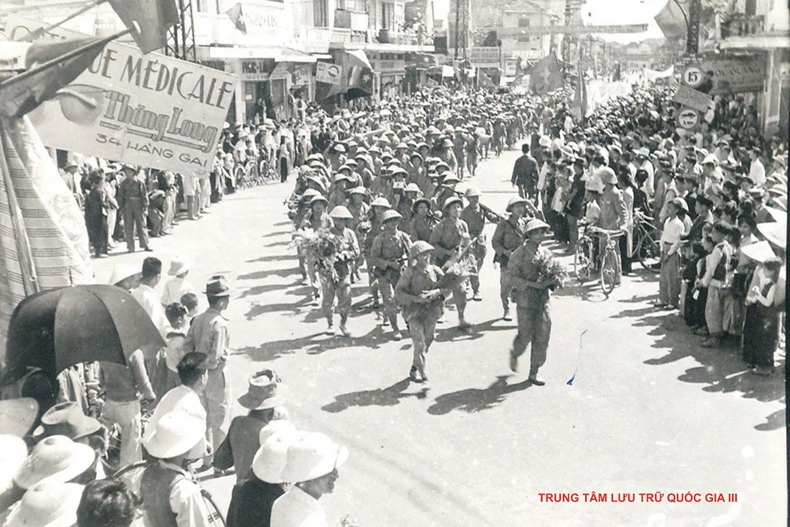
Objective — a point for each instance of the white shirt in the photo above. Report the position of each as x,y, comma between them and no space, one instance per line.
296,508
650,181
187,502
175,289
673,230
150,302
757,173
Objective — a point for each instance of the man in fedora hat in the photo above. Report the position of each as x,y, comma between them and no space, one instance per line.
312,463
171,496
209,335
265,399
508,236
133,202
532,298
446,240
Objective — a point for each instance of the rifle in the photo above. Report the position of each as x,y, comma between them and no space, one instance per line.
488,212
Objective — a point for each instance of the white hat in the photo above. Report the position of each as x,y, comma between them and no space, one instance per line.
121,272
47,505
13,451
775,233
178,266
312,456
271,457
175,433
758,252
279,426
56,459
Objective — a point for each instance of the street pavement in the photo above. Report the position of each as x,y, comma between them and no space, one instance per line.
632,403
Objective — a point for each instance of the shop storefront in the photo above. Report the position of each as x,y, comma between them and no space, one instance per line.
390,71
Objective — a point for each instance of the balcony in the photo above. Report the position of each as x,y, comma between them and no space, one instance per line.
739,25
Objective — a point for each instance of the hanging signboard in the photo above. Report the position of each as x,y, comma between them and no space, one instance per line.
484,57
720,76
692,98
328,73
149,110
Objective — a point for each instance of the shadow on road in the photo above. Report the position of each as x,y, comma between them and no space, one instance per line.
720,370
259,275
270,351
274,258
473,400
272,234
389,396
284,243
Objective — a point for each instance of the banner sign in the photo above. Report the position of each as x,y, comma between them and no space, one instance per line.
150,110
484,57
692,98
328,73
720,76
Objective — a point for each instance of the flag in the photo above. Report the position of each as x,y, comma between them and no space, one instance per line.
237,17
672,21
546,76
154,18
42,231
22,94
360,82
483,80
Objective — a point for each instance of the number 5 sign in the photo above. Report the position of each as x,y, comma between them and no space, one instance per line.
692,76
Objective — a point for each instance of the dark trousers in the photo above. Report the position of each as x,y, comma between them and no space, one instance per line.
624,256
97,233
133,219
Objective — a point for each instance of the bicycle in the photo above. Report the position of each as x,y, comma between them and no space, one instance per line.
584,261
647,246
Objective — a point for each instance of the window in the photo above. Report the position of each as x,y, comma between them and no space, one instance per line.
523,22
320,13
387,16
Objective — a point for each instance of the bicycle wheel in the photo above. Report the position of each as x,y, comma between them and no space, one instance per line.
648,252
608,270
263,170
581,262
240,175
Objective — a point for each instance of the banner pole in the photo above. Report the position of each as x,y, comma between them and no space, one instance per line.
33,35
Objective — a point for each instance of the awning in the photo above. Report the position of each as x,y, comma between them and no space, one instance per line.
228,52
357,57
293,55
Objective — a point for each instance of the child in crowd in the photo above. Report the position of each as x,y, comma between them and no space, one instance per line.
761,328
698,295
190,301
176,335
177,286
715,280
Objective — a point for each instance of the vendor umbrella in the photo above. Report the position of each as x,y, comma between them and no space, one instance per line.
59,328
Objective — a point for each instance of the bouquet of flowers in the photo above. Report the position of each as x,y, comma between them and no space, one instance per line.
550,269
331,257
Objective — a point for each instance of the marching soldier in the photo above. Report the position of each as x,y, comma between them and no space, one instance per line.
378,208
446,240
315,220
360,223
336,280
389,252
475,219
445,191
417,291
508,236
423,220
532,298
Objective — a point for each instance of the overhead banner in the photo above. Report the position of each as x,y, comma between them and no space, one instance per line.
328,73
720,76
484,57
150,110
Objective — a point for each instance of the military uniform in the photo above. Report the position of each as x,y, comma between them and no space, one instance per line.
421,228
375,230
314,223
133,201
209,335
443,193
340,288
533,314
508,236
446,238
389,248
476,221
419,316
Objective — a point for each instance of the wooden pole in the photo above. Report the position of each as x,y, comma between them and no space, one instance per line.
33,35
